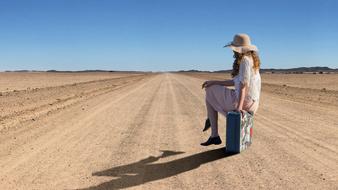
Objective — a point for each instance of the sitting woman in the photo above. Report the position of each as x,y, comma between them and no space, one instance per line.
247,82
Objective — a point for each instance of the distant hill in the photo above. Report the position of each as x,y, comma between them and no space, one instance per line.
80,71
84,71
192,71
302,70
298,70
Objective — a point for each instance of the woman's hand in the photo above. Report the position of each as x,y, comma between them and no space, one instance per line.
240,110
206,84
209,83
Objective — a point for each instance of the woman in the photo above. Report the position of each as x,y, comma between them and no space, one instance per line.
247,82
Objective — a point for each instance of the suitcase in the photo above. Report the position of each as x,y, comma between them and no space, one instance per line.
238,131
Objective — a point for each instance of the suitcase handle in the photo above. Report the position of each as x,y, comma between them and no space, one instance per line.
241,112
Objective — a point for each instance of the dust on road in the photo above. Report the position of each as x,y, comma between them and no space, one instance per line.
143,132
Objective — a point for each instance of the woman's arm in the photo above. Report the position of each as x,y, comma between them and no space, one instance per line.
242,92
217,82
244,78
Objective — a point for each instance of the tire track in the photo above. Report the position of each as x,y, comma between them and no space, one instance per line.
55,136
55,98
113,141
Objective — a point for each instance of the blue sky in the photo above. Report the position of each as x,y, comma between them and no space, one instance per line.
164,35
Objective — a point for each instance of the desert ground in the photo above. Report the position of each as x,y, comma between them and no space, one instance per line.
143,130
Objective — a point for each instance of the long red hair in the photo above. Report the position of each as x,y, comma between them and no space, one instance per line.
238,58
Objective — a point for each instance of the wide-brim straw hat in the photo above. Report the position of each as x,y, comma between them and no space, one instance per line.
241,44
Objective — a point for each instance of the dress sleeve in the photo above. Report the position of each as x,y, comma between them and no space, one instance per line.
245,71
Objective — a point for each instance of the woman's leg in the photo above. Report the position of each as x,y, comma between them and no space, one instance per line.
250,106
219,99
213,117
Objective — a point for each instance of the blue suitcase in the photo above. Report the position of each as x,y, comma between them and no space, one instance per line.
238,131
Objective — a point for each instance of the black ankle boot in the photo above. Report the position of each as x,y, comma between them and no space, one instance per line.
212,140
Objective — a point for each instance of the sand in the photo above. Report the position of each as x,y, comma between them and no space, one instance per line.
143,132
10,81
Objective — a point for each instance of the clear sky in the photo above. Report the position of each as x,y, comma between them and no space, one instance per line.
164,35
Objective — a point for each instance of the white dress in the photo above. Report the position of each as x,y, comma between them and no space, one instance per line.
223,99
248,76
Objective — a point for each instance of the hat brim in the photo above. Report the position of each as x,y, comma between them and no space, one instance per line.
242,49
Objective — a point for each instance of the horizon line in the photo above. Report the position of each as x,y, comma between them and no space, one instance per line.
318,68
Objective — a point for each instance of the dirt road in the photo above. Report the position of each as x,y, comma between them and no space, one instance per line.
143,132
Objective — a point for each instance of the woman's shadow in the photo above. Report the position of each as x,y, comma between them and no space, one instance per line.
146,170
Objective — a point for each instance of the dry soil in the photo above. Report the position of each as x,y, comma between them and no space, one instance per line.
143,132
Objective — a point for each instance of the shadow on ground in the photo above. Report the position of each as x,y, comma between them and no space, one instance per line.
146,170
